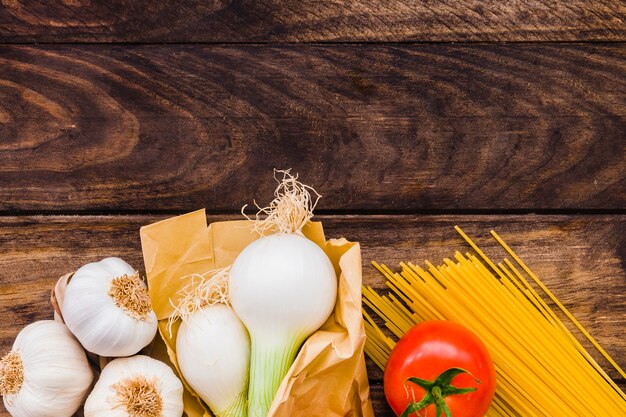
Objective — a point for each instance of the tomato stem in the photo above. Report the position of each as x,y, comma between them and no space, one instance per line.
437,391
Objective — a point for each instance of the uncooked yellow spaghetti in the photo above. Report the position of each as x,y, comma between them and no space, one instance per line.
542,369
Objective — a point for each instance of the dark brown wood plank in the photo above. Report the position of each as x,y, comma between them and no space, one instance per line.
375,128
582,259
311,21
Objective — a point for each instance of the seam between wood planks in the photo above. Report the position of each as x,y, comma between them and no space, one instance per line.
315,43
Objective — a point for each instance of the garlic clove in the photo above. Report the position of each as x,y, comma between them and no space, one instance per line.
46,374
117,266
138,386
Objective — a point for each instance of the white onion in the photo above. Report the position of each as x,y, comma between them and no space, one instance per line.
283,287
213,353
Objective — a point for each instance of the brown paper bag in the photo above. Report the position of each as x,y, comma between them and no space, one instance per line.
328,377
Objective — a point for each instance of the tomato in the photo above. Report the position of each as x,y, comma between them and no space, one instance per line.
426,351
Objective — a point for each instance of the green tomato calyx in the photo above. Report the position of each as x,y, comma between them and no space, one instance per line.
437,391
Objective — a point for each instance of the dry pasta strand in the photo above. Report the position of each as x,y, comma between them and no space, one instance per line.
542,369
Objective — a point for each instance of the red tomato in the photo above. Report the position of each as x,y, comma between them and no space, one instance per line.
429,349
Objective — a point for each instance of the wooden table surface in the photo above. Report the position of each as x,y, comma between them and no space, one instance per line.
409,117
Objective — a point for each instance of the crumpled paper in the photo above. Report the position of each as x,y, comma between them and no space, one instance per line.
328,377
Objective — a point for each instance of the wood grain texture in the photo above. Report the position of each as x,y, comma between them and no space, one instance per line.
311,21
377,128
582,259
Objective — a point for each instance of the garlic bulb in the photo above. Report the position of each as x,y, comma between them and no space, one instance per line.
136,387
108,308
46,374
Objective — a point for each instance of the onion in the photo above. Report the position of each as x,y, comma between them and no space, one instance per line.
283,288
213,346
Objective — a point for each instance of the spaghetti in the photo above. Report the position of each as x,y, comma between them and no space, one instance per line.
542,369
